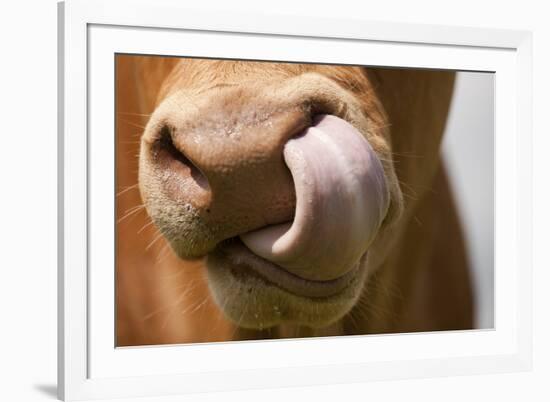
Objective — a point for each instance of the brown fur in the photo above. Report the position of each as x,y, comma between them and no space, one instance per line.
421,281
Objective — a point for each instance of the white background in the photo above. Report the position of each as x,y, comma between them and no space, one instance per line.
105,361
28,200
468,149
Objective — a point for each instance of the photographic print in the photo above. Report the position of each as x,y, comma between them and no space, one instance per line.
268,200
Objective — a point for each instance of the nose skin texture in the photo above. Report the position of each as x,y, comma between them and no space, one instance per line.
342,199
232,175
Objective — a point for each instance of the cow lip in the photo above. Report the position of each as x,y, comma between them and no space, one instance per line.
242,261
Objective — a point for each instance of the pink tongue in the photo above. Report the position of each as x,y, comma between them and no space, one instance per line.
341,200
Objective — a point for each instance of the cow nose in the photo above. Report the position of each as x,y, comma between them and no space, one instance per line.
227,165
184,180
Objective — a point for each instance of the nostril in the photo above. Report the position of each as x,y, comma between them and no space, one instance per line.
177,160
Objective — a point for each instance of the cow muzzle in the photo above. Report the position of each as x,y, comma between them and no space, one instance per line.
306,194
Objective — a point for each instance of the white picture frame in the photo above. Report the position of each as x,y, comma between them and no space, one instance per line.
90,367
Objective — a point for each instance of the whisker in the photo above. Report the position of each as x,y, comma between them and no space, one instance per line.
161,309
407,154
163,254
188,285
194,306
132,124
135,207
132,211
181,270
145,226
127,189
414,195
135,114
172,305
199,306
389,288
154,241
353,320
209,301
364,309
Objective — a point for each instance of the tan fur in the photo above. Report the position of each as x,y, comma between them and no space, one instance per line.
418,277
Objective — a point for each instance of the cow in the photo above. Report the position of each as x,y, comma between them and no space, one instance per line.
260,200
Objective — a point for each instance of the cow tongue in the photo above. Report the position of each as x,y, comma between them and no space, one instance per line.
341,200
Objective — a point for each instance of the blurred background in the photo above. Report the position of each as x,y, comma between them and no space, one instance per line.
468,149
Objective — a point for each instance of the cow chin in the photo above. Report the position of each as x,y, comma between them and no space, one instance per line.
256,294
